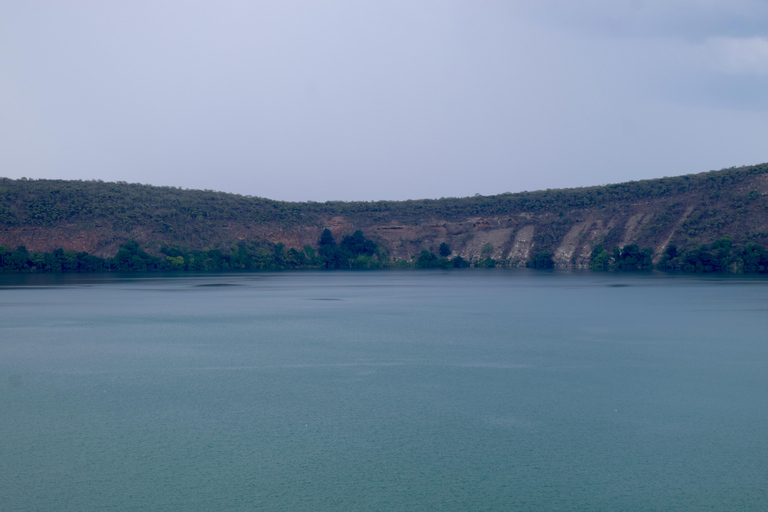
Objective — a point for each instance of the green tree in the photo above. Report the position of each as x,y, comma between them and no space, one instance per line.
327,250
357,244
130,258
175,262
754,259
426,260
668,260
541,260
486,262
459,262
600,258
631,257
326,238
722,254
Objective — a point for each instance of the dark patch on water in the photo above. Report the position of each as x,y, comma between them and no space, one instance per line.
618,285
30,287
216,285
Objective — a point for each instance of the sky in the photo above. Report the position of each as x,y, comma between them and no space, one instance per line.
321,100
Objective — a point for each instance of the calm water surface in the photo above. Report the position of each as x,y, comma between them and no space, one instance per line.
497,390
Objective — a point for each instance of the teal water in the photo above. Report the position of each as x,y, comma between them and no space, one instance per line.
464,390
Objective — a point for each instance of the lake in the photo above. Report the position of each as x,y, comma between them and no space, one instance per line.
385,390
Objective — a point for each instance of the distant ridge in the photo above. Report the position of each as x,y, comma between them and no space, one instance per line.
97,217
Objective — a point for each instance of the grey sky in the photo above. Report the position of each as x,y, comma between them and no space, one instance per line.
356,100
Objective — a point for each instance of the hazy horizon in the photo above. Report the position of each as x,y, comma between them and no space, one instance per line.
340,100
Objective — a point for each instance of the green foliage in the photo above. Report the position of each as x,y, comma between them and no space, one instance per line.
326,238
628,258
327,250
430,260
486,262
720,256
354,251
15,261
130,258
175,262
541,260
58,261
753,259
357,244
631,257
445,250
426,260
600,259
716,257
459,262
668,259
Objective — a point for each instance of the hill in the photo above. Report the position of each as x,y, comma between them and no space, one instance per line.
684,211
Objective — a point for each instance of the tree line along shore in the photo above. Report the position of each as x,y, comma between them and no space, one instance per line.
357,252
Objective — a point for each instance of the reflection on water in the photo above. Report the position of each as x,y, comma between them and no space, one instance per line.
465,390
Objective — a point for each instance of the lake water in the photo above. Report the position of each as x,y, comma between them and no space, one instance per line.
462,390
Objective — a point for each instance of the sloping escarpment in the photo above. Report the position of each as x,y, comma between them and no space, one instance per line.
686,211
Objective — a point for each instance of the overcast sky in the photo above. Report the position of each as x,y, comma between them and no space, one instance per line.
364,100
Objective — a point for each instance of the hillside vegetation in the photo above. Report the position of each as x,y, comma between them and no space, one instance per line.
665,219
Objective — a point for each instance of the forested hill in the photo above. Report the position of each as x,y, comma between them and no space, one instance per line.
684,211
